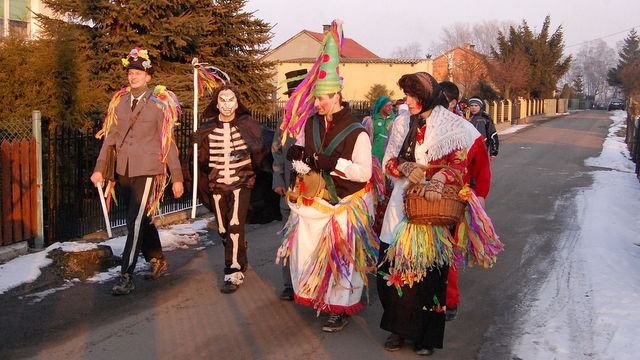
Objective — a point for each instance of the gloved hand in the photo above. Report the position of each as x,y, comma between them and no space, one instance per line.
412,171
433,190
326,162
295,152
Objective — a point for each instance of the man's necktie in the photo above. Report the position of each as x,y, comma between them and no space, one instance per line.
133,104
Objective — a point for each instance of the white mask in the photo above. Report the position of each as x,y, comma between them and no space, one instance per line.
227,103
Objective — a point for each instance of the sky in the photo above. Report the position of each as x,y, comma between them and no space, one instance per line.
382,26
588,308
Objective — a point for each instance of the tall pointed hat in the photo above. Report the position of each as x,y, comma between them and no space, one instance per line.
328,81
322,79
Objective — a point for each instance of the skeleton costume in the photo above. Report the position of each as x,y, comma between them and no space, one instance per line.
226,154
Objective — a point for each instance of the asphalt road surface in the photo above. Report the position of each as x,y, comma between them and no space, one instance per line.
184,315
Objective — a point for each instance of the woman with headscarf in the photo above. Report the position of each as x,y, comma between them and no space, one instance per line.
378,125
426,147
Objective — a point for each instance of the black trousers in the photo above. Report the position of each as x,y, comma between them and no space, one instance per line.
231,210
142,234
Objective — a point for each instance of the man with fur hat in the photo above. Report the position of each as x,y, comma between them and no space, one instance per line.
139,124
329,236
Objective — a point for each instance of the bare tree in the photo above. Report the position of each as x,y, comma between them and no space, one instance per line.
412,50
591,63
483,35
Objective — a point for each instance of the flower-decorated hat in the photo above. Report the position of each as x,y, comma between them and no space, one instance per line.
322,79
138,59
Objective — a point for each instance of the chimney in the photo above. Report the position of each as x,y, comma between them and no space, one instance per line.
470,47
326,28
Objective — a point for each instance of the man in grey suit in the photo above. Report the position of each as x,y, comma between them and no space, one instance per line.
139,123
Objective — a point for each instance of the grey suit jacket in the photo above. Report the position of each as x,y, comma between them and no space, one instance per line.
140,151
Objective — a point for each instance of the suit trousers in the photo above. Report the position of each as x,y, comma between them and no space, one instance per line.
142,235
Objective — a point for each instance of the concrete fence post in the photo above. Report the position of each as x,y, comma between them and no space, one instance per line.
36,119
509,111
494,111
523,110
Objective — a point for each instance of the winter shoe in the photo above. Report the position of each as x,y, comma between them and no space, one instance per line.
124,285
424,351
287,294
229,287
335,323
394,342
159,267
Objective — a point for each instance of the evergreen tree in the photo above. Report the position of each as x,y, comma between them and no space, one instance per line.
578,87
51,82
217,32
628,56
567,92
376,91
543,54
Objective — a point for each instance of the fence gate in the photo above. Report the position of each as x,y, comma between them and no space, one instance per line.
18,191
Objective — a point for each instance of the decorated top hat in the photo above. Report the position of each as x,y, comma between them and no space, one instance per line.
293,79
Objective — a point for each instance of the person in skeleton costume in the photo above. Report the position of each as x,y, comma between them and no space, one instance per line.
228,147
139,124
328,235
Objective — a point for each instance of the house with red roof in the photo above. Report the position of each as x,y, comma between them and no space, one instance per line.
462,65
360,67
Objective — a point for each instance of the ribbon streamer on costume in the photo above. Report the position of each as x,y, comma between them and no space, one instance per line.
205,80
171,110
300,104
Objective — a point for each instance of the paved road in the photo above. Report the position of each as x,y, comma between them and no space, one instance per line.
184,316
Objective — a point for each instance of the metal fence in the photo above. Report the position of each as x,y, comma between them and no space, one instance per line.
15,129
71,204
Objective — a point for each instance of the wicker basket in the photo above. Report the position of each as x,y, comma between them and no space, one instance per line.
446,211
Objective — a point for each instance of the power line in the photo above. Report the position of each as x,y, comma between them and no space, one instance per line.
604,37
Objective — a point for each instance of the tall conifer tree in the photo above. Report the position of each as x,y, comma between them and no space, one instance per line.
218,32
629,59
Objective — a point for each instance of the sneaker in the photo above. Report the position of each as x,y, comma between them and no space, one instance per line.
394,342
229,287
424,352
287,294
335,323
159,267
124,285
450,314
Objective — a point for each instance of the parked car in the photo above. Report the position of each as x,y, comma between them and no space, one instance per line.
600,105
616,104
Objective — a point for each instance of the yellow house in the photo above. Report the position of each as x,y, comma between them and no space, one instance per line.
360,68
17,17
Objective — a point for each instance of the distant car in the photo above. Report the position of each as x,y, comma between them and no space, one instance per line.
616,104
600,105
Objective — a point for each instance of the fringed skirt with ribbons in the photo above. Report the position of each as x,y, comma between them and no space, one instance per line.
413,270
330,248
